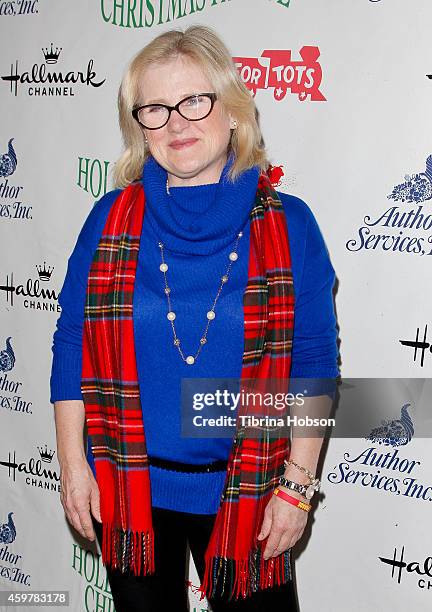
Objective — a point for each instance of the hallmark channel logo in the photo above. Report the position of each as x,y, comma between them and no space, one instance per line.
11,397
32,293
43,81
38,472
11,204
401,229
418,346
421,570
275,69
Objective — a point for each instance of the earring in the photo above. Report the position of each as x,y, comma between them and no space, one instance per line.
235,125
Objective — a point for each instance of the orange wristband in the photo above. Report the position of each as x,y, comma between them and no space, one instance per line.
292,500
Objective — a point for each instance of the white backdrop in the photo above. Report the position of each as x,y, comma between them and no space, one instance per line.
359,133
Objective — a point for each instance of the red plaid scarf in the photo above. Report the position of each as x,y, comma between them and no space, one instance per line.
234,556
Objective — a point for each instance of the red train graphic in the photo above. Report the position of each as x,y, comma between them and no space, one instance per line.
275,69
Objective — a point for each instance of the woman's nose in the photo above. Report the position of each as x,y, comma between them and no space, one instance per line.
176,120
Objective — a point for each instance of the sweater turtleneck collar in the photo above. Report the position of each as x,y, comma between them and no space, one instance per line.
198,219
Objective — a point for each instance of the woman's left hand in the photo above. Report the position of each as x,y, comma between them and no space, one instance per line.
284,523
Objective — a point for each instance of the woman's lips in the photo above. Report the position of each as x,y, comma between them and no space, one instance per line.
183,145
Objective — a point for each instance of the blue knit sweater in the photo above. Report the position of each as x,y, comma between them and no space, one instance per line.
198,226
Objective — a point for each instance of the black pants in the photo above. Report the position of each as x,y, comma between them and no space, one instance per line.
167,588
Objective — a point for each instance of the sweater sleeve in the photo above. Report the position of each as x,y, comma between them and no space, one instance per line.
66,366
315,352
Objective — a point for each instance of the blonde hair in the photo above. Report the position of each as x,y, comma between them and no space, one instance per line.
202,45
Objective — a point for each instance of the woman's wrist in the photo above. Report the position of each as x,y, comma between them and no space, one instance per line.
300,503
292,492
72,458
307,480
292,473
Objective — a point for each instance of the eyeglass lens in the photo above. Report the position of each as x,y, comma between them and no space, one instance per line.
194,108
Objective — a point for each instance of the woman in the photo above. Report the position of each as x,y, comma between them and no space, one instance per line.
186,270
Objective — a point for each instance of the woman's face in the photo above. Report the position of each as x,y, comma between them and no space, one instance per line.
203,161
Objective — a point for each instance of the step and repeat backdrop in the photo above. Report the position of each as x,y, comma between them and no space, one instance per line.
344,91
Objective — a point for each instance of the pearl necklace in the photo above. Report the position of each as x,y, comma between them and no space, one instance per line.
211,314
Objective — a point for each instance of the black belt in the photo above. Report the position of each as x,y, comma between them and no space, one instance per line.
178,466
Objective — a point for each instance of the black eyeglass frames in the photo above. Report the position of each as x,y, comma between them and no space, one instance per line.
192,108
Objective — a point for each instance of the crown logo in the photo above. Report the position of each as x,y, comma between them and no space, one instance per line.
51,55
45,454
45,273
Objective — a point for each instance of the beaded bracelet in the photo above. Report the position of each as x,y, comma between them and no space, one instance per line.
292,500
311,476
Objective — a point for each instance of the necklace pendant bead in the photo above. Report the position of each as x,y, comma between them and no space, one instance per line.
224,278
171,315
233,256
177,342
211,314
203,340
160,244
240,234
167,290
190,360
163,267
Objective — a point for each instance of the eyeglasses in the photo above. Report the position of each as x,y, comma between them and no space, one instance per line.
192,108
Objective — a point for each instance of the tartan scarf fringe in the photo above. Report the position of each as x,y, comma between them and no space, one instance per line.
128,550
242,578
133,552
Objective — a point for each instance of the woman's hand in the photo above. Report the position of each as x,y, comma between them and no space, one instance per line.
284,522
80,495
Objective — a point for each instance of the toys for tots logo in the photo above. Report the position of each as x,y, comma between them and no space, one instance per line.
277,70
